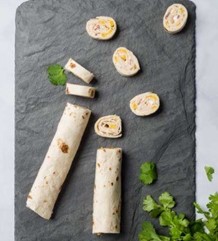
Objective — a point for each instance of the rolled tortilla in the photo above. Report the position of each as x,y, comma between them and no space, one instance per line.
125,62
109,126
79,71
58,160
80,90
175,18
107,191
145,104
101,28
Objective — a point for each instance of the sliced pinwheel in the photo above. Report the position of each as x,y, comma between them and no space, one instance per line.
125,62
175,18
101,28
109,126
145,104
79,71
80,90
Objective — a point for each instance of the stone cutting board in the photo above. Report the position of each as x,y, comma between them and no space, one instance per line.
51,31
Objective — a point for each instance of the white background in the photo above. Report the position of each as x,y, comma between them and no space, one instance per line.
207,106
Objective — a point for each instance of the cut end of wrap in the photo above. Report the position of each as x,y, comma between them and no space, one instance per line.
109,126
101,28
125,62
175,18
40,210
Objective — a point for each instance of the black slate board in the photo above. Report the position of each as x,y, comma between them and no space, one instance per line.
51,31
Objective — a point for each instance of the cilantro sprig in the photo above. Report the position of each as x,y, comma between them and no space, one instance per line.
179,227
148,173
56,74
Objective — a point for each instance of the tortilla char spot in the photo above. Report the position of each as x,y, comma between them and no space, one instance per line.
72,65
54,173
83,117
45,201
98,165
110,168
67,91
63,146
30,197
112,184
117,179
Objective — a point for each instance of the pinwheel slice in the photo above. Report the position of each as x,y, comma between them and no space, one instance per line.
125,62
145,104
80,90
79,71
101,28
109,126
175,18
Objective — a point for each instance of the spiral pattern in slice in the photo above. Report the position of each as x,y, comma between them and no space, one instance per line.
109,126
145,104
101,28
175,18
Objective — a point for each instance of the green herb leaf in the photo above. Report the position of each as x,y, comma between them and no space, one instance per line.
148,233
213,206
200,210
197,227
209,172
167,200
148,173
56,74
149,205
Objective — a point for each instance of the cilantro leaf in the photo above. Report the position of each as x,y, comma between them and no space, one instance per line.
149,205
209,172
148,173
200,210
213,206
148,233
166,218
56,74
197,226
166,200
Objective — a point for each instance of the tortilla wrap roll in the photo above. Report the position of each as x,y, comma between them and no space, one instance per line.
175,18
80,90
79,71
145,104
107,191
109,126
101,28
125,62
58,160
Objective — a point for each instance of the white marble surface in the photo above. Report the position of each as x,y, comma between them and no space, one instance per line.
207,102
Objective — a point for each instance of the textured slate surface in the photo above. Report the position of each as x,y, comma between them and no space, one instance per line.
49,32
